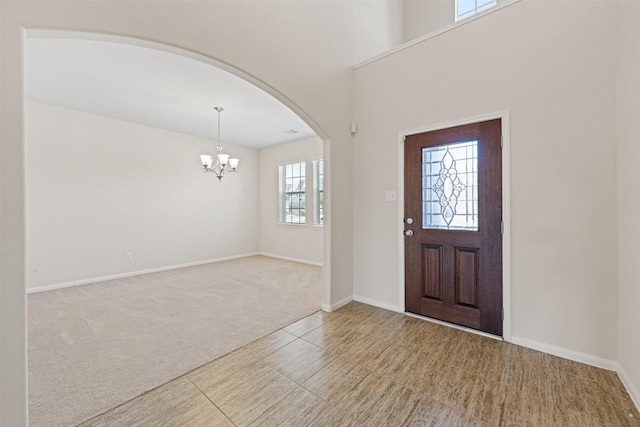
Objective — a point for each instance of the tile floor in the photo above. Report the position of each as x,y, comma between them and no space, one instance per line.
364,366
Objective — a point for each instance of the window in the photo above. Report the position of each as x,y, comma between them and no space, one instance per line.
467,8
318,192
450,186
292,193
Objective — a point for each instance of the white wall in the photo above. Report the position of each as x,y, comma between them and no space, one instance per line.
97,187
422,17
628,134
314,42
551,65
301,242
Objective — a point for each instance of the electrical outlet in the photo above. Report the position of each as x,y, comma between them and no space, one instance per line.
391,196
128,256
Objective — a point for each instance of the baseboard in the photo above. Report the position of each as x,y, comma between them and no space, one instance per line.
378,304
631,389
566,353
131,273
336,305
535,345
286,258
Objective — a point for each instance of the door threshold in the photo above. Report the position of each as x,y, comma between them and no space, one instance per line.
454,326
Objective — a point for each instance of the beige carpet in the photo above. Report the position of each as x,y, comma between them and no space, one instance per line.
96,346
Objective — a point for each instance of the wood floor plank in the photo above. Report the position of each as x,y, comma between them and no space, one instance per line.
431,413
454,387
269,343
94,422
299,360
147,407
222,368
379,401
304,326
246,395
497,404
345,372
333,382
195,412
303,408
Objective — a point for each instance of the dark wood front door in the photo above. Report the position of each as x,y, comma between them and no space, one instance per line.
453,225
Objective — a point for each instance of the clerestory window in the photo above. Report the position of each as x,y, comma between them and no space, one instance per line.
467,8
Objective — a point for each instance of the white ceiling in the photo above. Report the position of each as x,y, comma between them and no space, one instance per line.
158,89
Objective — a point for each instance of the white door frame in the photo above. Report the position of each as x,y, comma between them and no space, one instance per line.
506,209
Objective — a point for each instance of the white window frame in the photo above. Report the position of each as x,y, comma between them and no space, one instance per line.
317,165
283,218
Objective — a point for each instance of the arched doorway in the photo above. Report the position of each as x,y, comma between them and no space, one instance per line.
207,61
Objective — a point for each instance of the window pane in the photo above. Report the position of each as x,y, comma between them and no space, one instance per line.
485,6
292,193
467,8
450,186
318,193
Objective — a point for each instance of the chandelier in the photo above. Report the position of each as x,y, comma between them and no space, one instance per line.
223,164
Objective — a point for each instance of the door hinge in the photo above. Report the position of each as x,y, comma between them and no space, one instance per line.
501,141
502,313
501,227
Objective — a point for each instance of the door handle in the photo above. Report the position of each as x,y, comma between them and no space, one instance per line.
408,233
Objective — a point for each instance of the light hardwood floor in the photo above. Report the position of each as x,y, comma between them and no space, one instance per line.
364,366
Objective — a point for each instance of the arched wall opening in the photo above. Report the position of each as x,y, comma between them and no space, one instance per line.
253,80
167,91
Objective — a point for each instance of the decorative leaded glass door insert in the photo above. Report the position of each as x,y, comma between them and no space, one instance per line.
450,186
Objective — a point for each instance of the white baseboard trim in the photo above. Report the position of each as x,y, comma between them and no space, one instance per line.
286,258
566,353
131,273
336,305
378,304
631,389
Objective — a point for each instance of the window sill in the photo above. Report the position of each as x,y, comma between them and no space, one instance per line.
286,225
